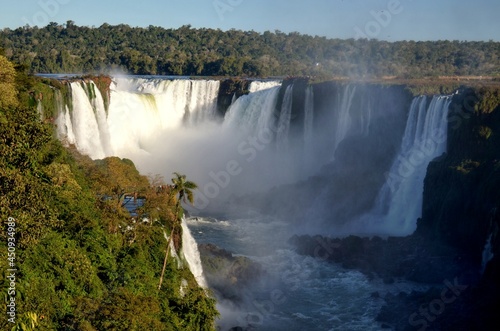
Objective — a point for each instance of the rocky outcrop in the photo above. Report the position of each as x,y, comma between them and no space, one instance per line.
227,275
230,89
413,258
462,189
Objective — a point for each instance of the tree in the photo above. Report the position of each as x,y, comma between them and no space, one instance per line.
8,91
188,51
184,190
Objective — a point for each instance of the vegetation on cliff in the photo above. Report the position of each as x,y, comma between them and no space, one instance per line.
83,263
70,48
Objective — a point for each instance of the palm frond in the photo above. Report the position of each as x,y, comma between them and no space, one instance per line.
190,185
183,188
190,196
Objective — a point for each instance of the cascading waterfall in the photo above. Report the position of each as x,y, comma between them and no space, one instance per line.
257,85
254,111
88,134
309,159
284,120
399,203
487,254
97,103
203,100
192,255
178,99
344,120
140,110
309,117
63,121
39,108
172,250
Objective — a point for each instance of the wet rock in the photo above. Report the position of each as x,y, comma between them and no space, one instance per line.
228,275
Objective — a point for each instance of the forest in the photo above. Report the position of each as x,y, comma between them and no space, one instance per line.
69,48
80,261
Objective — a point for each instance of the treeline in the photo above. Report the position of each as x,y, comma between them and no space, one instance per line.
82,262
154,50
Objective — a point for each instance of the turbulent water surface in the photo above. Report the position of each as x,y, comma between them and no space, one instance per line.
299,293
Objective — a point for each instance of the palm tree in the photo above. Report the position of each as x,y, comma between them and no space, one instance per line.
183,188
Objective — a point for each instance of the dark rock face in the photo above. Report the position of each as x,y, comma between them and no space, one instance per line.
413,258
228,89
462,189
226,274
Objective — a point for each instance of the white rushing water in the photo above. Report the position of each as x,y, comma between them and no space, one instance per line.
63,121
282,134
399,202
84,118
192,255
139,112
344,120
253,112
257,85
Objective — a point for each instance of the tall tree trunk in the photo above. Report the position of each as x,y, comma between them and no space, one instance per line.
169,243
166,257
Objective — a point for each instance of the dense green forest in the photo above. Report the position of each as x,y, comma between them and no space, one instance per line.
154,50
81,261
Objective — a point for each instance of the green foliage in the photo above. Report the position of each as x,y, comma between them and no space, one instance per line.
8,93
485,132
184,188
431,87
113,176
84,263
187,51
489,100
28,322
466,166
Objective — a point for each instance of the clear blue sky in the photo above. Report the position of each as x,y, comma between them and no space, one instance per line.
381,19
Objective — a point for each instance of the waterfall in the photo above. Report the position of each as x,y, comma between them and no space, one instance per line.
97,103
84,121
172,251
366,120
399,202
64,127
284,119
257,86
176,99
202,101
192,255
39,108
344,120
139,111
253,111
134,118
308,117
487,253
308,154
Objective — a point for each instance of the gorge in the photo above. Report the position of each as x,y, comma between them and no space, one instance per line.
398,189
